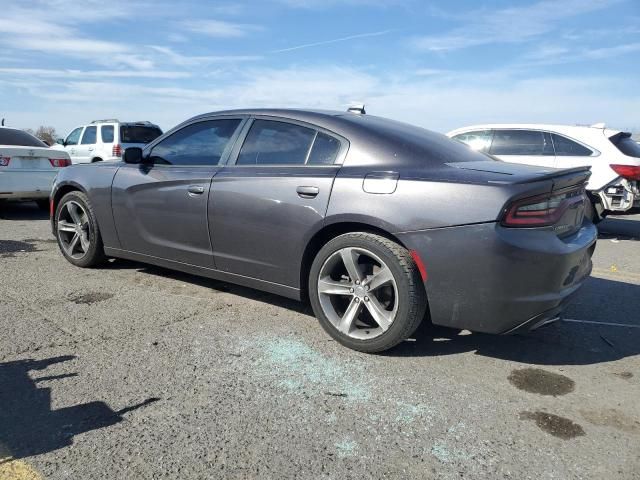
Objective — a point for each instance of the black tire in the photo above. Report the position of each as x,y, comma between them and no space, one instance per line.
412,300
95,253
96,160
43,204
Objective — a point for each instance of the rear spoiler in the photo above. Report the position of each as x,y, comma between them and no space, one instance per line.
564,177
619,136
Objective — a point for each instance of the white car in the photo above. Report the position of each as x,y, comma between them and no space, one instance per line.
27,167
613,156
106,140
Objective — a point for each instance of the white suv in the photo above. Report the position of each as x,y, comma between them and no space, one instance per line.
613,156
106,140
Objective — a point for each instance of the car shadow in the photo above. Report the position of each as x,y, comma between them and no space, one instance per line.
620,228
217,285
589,333
22,211
560,343
30,426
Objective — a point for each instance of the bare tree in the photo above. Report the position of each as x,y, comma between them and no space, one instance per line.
47,134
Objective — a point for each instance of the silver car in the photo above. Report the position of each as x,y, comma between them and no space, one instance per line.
27,167
378,223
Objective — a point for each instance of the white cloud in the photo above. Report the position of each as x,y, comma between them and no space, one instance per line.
200,60
440,101
509,25
73,73
218,28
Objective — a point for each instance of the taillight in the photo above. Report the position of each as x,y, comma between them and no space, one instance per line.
4,161
60,162
630,172
116,151
541,210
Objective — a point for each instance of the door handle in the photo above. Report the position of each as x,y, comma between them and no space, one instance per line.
307,192
195,190
91,149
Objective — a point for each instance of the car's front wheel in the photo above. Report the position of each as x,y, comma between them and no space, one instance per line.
366,291
77,231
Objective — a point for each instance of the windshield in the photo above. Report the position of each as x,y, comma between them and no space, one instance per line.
13,136
138,134
626,144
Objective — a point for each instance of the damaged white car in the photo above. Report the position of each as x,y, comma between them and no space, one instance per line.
613,156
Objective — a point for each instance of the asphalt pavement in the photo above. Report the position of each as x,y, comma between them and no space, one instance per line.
131,371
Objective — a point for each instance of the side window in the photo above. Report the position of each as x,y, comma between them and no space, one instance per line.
276,143
568,148
89,136
201,143
324,151
520,142
479,141
74,137
106,133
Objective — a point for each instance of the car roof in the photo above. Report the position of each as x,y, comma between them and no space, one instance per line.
311,116
373,140
559,128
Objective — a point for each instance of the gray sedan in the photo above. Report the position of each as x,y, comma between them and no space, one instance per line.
379,224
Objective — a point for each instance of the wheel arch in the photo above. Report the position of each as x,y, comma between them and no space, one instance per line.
60,192
326,234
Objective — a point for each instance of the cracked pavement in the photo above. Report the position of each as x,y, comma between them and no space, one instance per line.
132,371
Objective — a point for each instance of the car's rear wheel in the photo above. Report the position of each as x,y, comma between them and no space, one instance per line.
77,231
366,291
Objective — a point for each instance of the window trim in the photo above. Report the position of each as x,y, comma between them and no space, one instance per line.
523,129
340,157
146,152
594,152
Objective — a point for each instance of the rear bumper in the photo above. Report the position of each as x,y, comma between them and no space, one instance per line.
26,184
620,195
491,279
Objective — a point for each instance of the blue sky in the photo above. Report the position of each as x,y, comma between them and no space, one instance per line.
439,64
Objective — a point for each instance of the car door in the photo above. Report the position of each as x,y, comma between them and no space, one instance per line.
71,143
272,195
160,206
84,150
531,147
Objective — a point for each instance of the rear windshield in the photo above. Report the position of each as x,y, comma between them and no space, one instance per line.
626,144
414,145
12,136
138,134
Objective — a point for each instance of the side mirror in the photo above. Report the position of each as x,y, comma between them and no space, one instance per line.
133,155
60,141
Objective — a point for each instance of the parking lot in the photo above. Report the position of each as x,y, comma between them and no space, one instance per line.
131,371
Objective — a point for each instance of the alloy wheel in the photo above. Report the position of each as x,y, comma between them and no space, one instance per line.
358,293
74,229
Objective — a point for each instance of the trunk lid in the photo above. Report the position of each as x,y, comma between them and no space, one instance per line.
550,198
29,158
